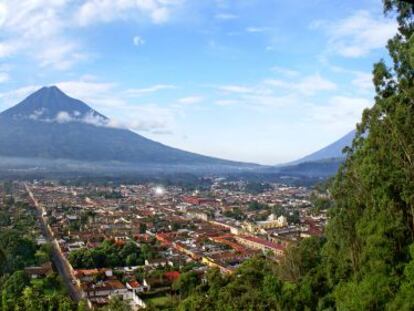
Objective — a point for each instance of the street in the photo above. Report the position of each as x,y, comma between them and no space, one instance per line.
59,260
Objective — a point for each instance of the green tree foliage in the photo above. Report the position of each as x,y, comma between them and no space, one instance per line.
19,293
117,304
186,283
43,254
110,255
13,288
19,250
235,213
301,259
256,206
253,287
372,223
320,202
17,243
404,299
3,260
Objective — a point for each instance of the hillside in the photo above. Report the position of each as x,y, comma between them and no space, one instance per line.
51,125
332,151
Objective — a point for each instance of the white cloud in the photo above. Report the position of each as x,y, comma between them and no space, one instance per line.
190,100
106,98
4,77
285,71
37,114
267,94
270,101
235,89
309,85
9,47
157,11
148,125
138,41
298,101
260,96
41,29
63,117
36,29
155,126
256,29
358,34
150,89
12,97
363,81
3,13
340,113
227,102
61,55
225,16
87,91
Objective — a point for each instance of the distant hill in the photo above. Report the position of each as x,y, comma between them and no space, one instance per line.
50,125
322,163
332,151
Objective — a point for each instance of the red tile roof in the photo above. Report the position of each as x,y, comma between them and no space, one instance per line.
172,275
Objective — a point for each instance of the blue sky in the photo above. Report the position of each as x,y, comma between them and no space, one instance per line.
264,81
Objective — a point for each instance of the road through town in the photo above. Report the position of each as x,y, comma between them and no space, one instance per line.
59,260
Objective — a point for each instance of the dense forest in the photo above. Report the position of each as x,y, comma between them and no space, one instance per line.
366,260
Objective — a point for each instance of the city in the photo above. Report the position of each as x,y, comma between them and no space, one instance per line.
134,241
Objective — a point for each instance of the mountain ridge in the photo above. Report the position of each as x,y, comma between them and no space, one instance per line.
329,152
48,124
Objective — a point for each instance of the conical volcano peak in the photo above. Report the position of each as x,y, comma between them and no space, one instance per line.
51,88
48,104
50,125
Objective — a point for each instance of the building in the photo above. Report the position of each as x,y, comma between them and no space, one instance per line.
271,223
261,244
39,272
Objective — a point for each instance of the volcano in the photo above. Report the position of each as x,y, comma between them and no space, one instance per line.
51,125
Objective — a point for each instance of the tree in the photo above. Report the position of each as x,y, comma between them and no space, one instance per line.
300,259
82,306
404,299
31,300
3,261
372,222
43,254
293,217
186,283
117,304
142,227
13,288
65,304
